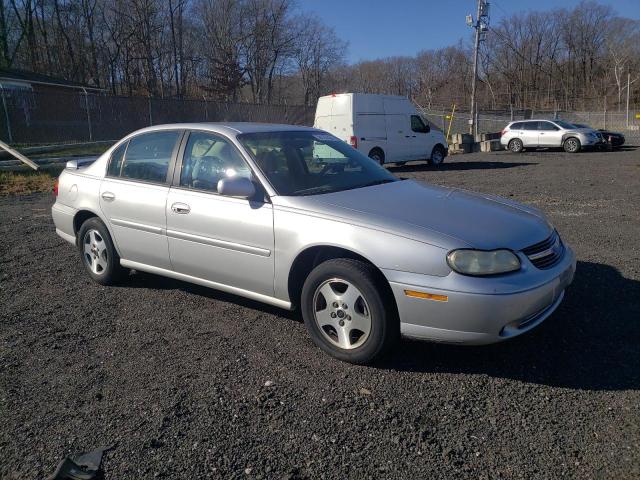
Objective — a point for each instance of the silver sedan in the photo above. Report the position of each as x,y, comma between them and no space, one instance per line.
294,217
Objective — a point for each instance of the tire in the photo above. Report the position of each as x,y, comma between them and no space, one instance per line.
437,155
97,253
377,155
334,326
515,145
572,145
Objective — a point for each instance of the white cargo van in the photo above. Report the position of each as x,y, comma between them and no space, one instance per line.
387,128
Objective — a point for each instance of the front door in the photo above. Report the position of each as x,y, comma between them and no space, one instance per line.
549,135
422,139
133,196
213,237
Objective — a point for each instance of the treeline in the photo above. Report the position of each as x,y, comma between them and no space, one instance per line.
270,51
232,50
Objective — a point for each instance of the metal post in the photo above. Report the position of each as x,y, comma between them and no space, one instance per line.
206,110
605,113
472,126
628,88
86,104
6,115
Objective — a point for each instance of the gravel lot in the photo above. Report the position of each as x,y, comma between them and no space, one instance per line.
193,383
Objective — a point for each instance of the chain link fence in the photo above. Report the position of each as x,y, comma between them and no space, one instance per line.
495,121
47,118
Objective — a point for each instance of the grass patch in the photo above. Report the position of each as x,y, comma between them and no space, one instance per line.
27,182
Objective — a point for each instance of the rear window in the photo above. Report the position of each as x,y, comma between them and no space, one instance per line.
148,155
516,126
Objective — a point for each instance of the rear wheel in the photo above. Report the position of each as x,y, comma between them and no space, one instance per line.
98,254
437,155
377,155
516,145
344,310
572,145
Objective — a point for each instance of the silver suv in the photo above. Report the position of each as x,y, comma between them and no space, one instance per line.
519,135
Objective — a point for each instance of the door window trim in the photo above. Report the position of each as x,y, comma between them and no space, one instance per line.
170,166
175,178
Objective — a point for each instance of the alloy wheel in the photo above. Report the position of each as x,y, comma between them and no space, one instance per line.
95,251
341,313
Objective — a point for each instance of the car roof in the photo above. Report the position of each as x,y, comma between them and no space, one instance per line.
230,128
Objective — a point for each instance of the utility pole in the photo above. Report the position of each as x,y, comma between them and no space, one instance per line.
628,88
481,25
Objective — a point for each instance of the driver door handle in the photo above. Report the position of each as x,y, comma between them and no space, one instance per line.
108,196
181,208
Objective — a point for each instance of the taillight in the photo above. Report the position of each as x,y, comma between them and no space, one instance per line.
55,188
504,130
353,141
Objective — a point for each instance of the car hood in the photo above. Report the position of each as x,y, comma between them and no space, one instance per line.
446,217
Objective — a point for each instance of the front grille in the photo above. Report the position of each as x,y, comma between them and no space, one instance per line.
547,253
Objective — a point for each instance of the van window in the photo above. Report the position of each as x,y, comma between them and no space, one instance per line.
417,125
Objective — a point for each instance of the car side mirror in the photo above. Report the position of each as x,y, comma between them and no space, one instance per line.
240,187
427,129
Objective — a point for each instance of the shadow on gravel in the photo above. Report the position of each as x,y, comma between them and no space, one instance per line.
589,343
156,282
452,166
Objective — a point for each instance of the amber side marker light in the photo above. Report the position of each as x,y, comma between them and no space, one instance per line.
426,296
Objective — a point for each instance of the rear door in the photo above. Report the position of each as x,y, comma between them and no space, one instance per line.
134,192
529,134
213,237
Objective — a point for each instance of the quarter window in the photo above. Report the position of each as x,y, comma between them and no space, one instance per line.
209,158
148,156
115,164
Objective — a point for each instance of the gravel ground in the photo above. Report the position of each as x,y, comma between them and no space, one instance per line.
194,383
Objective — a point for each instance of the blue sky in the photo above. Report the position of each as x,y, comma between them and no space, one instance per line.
382,28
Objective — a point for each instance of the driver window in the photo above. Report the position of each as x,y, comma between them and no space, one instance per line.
417,125
209,158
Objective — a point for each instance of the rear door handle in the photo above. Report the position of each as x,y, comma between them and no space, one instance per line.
181,208
108,196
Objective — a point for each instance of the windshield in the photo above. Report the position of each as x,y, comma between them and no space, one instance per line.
564,124
309,163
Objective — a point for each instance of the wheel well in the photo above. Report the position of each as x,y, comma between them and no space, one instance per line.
81,217
439,145
308,259
376,149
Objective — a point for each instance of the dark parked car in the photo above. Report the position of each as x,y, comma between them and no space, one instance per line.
616,139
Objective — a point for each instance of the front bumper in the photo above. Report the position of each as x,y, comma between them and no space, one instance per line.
482,310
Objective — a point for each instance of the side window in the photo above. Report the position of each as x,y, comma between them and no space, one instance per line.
148,156
417,125
209,158
516,126
115,163
529,125
546,126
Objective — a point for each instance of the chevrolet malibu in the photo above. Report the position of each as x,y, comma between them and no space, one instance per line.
294,217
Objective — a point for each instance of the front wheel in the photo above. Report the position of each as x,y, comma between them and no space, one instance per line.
437,155
344,310
98,254
572,145
377,155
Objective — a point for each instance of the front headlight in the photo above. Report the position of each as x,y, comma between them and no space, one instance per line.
482,262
